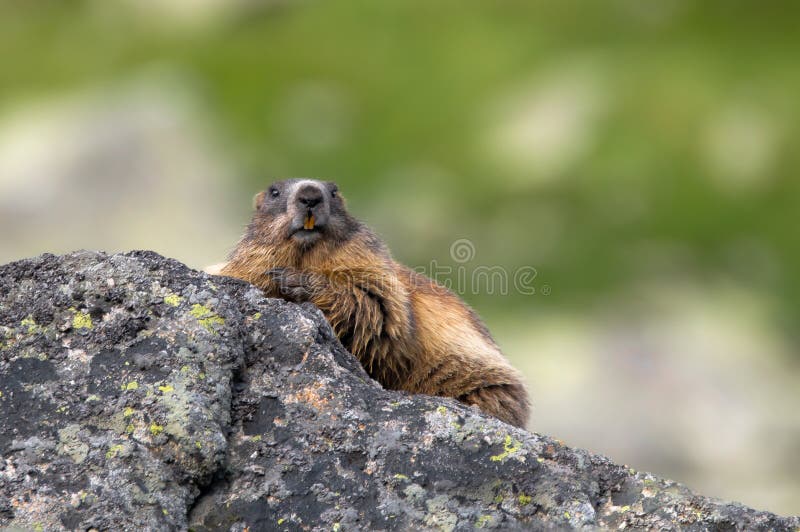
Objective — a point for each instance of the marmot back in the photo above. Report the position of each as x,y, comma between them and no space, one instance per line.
408,332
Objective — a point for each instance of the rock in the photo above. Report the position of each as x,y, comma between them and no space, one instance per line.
137,393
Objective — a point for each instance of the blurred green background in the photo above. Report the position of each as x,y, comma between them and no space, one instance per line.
638,155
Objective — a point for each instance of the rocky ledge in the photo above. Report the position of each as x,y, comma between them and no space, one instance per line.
136,393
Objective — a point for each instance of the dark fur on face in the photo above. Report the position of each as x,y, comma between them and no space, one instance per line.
282,209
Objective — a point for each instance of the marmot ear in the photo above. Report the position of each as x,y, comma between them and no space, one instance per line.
258,199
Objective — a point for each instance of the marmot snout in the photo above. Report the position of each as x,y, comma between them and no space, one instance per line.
409,332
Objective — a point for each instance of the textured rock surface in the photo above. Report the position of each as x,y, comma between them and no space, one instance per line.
136,393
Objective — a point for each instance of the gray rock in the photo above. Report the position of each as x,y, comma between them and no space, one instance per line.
137,393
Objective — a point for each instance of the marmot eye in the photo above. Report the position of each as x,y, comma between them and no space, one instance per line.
274,192
334,192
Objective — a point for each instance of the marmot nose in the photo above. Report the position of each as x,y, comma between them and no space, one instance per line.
309,196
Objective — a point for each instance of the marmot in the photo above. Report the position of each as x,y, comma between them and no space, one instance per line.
409,332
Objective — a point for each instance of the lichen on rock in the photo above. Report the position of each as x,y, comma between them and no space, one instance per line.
137,393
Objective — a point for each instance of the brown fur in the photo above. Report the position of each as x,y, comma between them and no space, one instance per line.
408,332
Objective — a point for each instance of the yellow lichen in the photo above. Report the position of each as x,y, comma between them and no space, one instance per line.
128,412
166,388
155,430
173,300
206,317
524,500
400,476
133,385
113,451
483,521
30,324
81,320
281,520
200,311
510,446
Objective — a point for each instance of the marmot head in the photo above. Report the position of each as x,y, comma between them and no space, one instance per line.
301,212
